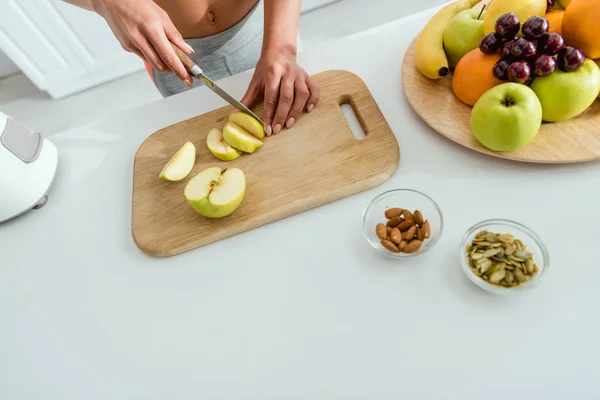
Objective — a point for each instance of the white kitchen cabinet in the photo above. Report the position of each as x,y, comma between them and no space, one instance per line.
61,48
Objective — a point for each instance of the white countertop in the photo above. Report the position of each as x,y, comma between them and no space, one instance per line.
304,307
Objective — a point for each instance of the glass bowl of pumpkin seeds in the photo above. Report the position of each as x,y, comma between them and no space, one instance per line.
503,256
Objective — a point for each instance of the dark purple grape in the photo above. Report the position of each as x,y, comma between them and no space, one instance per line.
522,49
535,27
549,5
501,70
552,43
491,43
519,72
544,65
570,59
508,25
505,51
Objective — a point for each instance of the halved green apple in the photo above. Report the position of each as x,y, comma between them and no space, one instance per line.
216,192
219,148
180,165
249,123
238,137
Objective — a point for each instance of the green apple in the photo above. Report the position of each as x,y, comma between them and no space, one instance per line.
216,192
219,148
249,123
238,137
463,34
565,95
564,3
180,165
506,117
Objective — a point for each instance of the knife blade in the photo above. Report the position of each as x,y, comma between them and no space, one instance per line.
197,72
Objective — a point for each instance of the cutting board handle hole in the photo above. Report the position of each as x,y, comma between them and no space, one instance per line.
352,119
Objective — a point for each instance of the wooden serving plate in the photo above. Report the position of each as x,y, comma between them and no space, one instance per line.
315,162
572,141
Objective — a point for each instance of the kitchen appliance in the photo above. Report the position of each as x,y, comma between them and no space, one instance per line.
317,161
196,71
28,165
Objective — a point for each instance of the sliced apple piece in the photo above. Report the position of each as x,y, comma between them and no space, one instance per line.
216,192
249,123
181,164
239,138
219,148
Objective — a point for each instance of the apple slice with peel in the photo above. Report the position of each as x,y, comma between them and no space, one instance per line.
219,148
216,192
181,164
249,123
238,137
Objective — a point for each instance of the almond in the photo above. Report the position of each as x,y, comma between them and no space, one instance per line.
402,245
389,230
408,216
418,217
392,223
393,213
390,246
410,233
413,246
426,229
420,234
403,226
381,231
396,235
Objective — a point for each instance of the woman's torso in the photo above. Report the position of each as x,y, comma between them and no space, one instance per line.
202,18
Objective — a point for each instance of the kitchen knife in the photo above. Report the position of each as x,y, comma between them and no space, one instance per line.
196,71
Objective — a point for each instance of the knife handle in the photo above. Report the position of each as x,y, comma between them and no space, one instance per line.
189,64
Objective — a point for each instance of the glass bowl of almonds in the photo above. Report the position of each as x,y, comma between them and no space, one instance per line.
503,256
402,223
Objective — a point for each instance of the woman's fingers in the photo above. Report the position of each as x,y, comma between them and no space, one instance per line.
270,103
141,45
300,98
315,94
174,36
286,99
157,37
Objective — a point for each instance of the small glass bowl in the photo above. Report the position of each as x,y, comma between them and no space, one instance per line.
529,238
408,199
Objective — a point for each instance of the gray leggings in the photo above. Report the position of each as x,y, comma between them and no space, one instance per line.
227,53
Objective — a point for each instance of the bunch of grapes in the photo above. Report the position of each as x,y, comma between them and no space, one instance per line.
538,53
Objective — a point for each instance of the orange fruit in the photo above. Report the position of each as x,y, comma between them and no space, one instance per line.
581,26
555,19
473,76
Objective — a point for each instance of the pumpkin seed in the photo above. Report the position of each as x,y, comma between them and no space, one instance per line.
490,253
480,234
510,249
491,238
506,238
500,259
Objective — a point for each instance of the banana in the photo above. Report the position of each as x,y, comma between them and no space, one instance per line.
430,55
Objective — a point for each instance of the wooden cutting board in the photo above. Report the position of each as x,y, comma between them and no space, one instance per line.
315,162
572,141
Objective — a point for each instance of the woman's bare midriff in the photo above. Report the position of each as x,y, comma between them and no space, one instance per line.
202,18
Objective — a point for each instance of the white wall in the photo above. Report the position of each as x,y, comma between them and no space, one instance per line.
6,66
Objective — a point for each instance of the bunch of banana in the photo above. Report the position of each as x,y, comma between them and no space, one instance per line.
430,57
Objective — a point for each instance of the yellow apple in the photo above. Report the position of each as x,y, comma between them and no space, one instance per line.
181,164
219,148
238,137
216,192
249,123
